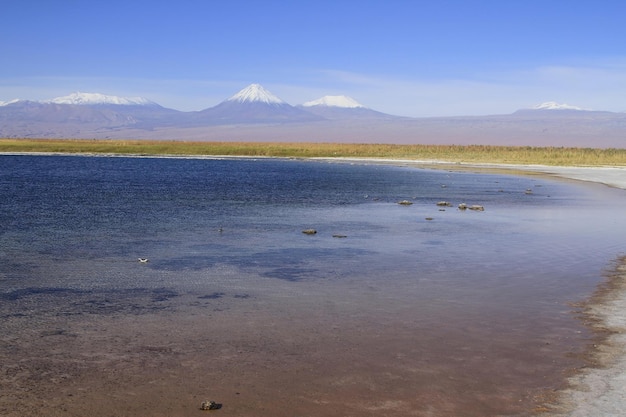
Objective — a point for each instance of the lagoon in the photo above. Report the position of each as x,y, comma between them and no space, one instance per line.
419,310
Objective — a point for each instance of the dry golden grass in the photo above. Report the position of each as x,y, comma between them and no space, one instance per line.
522,155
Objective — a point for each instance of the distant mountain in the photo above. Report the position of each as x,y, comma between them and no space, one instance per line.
335,101
554,110
255,93
253,104
48,112
93,99
6,103
64,116
255,114
342,107
552,105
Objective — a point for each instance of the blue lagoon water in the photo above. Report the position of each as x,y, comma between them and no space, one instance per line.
388,309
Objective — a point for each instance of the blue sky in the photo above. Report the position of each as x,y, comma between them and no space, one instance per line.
413,58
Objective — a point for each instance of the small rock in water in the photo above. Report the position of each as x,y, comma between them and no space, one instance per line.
474,207
210,405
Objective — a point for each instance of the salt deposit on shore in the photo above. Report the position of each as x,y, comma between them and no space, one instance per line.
602,391
611,176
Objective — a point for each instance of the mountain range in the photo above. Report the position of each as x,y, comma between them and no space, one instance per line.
255,114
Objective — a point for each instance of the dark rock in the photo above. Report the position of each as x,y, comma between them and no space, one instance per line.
210,405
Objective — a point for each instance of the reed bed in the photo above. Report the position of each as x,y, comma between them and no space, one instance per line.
522,155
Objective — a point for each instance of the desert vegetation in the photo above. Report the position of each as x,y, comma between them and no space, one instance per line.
523,155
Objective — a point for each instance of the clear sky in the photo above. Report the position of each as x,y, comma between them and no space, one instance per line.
413,58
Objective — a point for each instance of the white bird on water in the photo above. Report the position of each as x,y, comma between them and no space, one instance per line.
143,260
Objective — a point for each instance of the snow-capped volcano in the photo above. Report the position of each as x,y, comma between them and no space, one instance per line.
255,93
335,101
553,105
253,104
79,98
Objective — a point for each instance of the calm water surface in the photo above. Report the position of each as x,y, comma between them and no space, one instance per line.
416,309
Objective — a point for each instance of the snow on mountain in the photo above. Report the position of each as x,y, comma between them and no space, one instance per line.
342,108
255,93
6,103
335,101
79,98
552,105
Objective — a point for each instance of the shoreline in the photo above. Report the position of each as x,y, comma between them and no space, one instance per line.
596,390
612,176
599,389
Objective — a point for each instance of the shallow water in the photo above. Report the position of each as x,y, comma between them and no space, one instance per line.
418,310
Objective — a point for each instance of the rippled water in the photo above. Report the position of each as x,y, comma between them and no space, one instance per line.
429,294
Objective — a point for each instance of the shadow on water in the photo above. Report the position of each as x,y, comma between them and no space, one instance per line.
289,264
70,301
